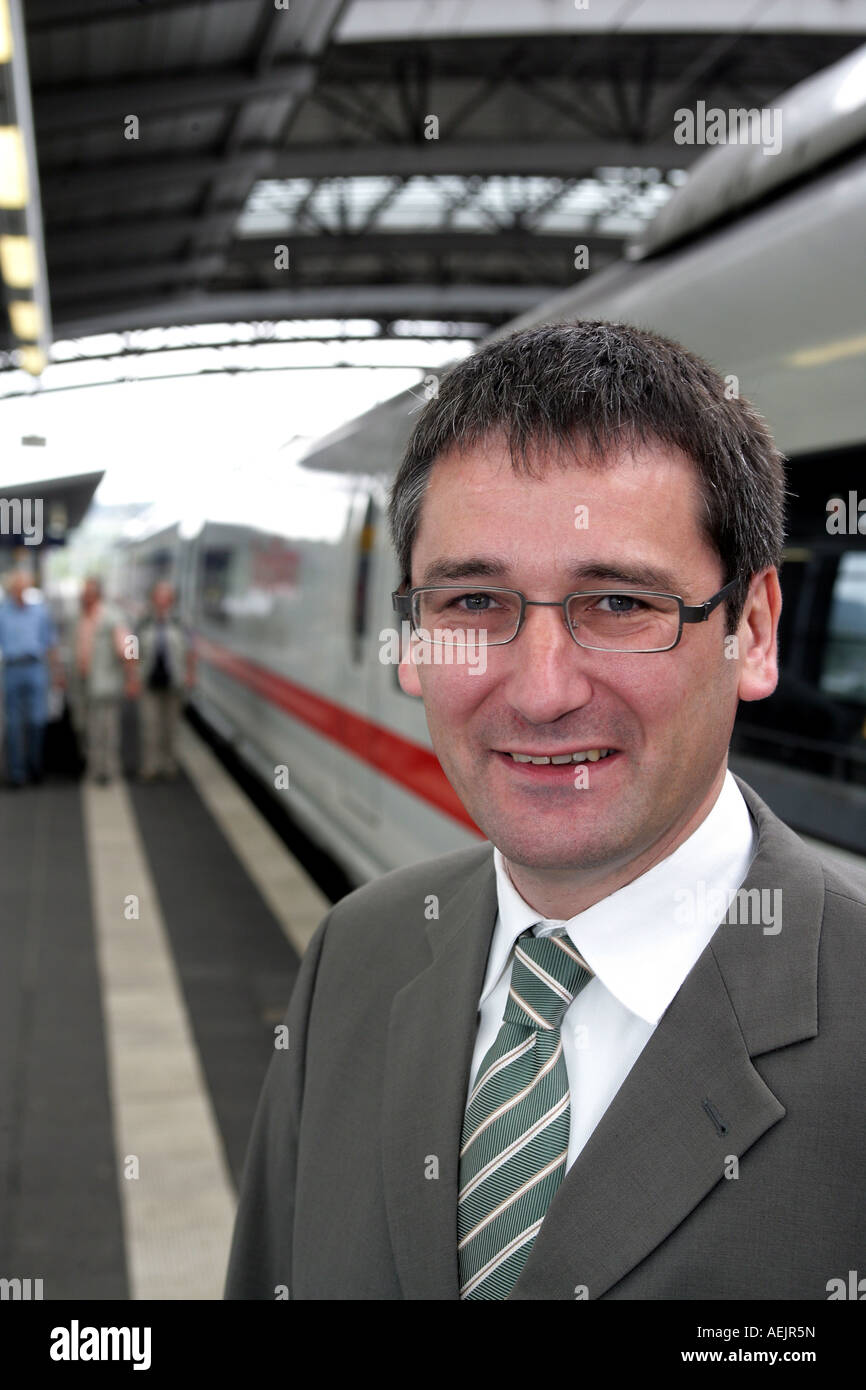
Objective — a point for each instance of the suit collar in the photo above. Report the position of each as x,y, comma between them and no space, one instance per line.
475,892
770,968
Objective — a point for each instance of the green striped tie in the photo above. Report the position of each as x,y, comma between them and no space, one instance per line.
515,1132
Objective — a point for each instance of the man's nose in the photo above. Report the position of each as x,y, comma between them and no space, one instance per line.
547,673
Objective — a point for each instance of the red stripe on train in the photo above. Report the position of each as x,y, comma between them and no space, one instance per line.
410,765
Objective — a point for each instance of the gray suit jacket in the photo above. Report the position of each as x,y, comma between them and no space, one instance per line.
760,1057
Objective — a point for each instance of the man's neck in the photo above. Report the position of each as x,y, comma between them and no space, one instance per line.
561,894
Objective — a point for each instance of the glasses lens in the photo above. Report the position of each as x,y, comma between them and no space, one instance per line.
466,616
624,622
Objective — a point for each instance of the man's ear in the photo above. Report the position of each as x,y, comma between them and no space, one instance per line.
756,634
407,671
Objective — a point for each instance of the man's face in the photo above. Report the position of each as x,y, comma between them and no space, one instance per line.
18,584
90,594
667,715
163,599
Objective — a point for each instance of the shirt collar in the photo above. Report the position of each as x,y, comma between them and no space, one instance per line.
642,940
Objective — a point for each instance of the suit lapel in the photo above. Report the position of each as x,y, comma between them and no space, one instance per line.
432,1032
694,1096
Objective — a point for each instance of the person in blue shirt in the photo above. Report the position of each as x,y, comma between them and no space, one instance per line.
27,637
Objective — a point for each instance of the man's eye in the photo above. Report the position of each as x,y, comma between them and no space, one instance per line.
621,603
475,601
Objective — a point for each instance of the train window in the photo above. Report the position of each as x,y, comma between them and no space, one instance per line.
215,583
843,674
795,573
364,557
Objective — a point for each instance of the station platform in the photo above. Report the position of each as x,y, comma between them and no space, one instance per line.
151,936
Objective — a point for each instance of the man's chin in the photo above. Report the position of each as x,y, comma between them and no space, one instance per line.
528,847
562,864
557,828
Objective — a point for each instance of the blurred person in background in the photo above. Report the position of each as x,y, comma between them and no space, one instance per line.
166,671
27,638
105,671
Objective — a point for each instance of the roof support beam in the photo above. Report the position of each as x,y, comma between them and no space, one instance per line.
559,159
56,14
578,158
490,303
126,279
437,243
91,241
76,186
61,109
86,244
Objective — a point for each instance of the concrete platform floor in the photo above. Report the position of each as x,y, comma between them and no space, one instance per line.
150,937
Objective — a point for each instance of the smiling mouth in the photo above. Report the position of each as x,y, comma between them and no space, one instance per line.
584,755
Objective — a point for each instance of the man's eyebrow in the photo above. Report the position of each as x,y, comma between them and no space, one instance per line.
446,569
453,570
633,572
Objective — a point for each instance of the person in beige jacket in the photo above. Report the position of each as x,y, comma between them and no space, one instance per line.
166,670
105,671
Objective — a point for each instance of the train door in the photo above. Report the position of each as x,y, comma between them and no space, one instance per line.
358,789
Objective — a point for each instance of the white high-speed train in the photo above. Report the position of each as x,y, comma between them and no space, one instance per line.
757,264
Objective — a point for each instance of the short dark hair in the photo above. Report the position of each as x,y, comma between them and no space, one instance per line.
600,387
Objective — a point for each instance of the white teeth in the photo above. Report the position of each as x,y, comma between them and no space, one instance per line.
590,755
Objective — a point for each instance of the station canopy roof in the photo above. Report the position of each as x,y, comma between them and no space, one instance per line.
206,161
47,507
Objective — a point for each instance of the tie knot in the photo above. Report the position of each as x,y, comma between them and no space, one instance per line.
547,974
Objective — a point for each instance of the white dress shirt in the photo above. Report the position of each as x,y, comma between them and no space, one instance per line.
640,942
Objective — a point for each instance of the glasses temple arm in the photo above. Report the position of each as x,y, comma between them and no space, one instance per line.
700,612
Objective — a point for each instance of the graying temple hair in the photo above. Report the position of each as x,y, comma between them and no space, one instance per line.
585,390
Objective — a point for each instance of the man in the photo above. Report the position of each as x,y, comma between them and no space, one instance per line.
27,638
105,671
166,671
559,1068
